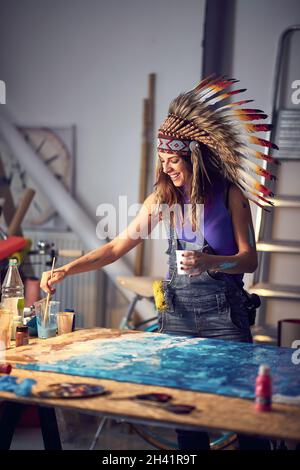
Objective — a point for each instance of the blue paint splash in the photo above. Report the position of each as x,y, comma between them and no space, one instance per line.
227,265
8,383
184,362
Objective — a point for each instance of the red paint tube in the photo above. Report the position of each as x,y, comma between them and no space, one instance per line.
263,389
5,369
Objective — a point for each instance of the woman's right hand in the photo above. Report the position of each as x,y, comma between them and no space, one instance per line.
47,282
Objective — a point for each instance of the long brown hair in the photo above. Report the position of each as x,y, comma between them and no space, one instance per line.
203,172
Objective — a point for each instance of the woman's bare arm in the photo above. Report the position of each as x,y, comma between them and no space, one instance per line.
134,234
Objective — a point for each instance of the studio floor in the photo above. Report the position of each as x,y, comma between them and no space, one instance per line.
77,432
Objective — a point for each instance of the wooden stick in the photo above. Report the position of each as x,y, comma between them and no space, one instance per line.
46,312
146,160
138,265
14,226
5,192
151,96
151,130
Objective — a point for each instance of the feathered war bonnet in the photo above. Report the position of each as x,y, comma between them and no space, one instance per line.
196,117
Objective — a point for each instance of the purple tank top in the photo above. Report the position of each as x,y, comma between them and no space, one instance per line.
218,228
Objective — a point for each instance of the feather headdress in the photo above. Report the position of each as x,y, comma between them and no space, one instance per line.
227,130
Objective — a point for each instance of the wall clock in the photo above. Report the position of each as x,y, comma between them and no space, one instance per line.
55,146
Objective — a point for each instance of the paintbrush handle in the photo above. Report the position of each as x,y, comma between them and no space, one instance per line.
46,313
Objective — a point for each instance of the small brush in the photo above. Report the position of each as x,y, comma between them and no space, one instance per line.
46,313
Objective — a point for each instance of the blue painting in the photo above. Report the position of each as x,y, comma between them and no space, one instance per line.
188,363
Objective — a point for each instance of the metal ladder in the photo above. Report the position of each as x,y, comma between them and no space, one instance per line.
286,134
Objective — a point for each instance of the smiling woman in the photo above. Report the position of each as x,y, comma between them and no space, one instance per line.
183,176
175,168
203,160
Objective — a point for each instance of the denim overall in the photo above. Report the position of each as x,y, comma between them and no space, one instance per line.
203,305
207,307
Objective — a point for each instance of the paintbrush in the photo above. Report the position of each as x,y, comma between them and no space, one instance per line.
46,312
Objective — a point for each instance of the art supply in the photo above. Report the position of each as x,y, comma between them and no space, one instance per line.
156,397
46,312
13,290
161,399
22,337
17,321
64,322
159,296
263,389
29,311
72,390
46,329
71,310
5,369
6,323
32,326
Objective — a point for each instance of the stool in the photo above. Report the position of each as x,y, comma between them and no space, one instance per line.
141,286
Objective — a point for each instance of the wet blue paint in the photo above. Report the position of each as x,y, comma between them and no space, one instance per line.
227,265
49,330
9,383
209,365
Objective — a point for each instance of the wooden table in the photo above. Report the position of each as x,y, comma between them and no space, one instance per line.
213,412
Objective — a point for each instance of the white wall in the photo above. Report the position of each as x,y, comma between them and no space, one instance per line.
86,62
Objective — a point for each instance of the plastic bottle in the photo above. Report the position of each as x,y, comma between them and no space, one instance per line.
263,389
13,294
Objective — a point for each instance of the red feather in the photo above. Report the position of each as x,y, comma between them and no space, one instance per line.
240,103
265,200
264,143
249,110
258,127
235,92
250,117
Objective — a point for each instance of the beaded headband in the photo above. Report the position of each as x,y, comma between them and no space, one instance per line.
170,144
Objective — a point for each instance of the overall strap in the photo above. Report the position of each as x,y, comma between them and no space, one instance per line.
173,236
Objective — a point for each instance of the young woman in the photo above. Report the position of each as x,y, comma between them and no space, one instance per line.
203,162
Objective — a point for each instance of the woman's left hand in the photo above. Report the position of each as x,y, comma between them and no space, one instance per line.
196,262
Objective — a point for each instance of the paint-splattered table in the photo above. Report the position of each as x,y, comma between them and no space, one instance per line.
128,363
